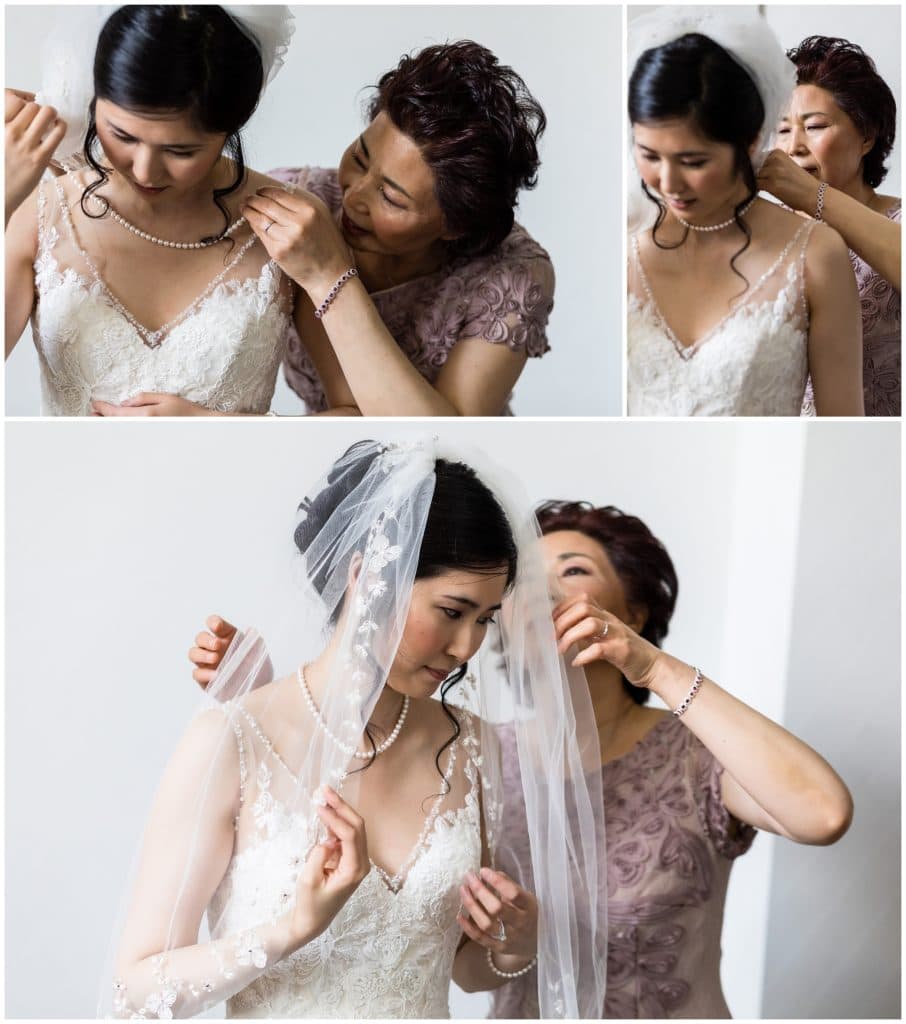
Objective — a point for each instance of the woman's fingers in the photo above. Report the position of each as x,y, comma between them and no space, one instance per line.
586,630
477,935
203,676
476,911
267,208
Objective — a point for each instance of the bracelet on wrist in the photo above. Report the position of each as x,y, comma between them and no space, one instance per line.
690,696
335,291
819,203
509,975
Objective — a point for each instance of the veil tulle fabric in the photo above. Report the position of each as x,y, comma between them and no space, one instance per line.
67,59
748,39
355,581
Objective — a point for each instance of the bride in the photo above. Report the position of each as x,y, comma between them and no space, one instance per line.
733,301
340,828
158,202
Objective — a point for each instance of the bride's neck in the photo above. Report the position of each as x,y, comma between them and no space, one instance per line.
188,204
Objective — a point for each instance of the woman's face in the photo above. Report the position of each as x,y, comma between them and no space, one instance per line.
578,564
447,622
822,139
156,156
695,175
389,207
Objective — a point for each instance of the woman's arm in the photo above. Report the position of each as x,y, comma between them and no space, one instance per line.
835,326
772,780
357,358
21,248
871,235
161,966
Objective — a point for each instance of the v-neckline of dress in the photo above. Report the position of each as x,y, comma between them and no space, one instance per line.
396,883
153,339
687,351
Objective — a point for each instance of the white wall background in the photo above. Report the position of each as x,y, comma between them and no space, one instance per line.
874,27
570,59
120,541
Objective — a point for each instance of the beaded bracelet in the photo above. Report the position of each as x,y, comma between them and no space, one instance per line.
690,696
335,291
819,205
510,974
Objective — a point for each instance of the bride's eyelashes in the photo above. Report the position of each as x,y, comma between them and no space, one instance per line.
128,140
455,613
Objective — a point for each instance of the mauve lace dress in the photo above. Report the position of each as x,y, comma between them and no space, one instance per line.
670,846
504,297
881,336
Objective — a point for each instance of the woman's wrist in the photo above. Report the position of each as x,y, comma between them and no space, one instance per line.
509,963
319,286
671,679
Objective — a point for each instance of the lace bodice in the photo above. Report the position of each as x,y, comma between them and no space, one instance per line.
223,351
753,362
389,952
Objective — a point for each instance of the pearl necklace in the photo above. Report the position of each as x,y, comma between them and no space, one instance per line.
350,751
717,227
162,241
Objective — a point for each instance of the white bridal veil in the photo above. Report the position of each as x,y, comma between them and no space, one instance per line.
354,583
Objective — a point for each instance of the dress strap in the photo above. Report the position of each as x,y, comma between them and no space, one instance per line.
229,709
806,232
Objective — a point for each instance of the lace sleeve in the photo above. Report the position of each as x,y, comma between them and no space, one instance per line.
510,304
162,971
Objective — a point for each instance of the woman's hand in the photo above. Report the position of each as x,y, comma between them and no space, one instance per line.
494,900
603,637
787,181
151,404
333,870
210,647
33,132
301,236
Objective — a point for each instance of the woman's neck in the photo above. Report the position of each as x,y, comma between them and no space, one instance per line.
379,270
612,705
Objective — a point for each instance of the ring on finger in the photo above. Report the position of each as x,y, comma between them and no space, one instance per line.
601,632
270,225
501,931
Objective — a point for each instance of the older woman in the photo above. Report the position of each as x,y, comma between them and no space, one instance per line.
683,795
835,138
451,296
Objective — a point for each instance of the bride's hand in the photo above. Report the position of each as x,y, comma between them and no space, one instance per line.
601,636
151,404
492,900
210,647
301,236
33,132
787,181
333,870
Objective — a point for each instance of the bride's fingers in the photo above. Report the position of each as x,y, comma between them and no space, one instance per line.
504,886
476,911
199,656
488,899
477,935
222,629
203,676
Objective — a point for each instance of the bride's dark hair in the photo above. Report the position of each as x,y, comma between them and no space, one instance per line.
465,529
177,58
693,77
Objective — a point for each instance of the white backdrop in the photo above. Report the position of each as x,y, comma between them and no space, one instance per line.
570,60
119,543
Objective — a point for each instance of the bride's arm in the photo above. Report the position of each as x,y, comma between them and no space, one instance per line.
835,326
161,968
21,247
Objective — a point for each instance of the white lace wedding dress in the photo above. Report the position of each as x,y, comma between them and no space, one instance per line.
387,954
753,362
223,351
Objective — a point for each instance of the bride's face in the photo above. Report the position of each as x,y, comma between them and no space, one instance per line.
578,564
389,207
448,619
695,175
164,155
